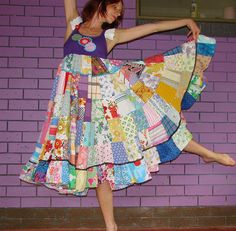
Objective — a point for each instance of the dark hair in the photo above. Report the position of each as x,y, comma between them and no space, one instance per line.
100,6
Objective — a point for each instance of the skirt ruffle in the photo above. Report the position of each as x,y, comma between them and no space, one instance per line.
117,121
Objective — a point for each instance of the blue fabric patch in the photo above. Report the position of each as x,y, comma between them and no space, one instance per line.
205,49
54,88
168,151
54,121
174,51
169,125
41,171
140,120
187,101
119,153
65,172
79,129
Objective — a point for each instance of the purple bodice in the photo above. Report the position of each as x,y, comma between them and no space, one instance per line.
81,44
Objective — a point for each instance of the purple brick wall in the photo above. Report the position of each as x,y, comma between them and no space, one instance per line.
31,40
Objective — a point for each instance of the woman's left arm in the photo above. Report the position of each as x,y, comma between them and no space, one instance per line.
125,35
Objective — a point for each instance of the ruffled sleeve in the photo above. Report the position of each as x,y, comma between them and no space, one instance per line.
110,33
75,22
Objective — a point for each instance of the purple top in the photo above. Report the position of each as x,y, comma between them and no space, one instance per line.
81,44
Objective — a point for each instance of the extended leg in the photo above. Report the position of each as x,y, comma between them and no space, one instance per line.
208,155
105,199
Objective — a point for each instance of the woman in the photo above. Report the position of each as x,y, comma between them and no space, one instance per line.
67,132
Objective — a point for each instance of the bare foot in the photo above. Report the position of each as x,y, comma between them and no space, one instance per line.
112,228
220,158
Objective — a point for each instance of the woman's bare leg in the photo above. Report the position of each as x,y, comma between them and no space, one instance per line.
208,155
105,199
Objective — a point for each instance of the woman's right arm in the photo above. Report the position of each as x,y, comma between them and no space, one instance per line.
71,12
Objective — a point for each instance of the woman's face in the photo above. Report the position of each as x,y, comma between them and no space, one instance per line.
113,11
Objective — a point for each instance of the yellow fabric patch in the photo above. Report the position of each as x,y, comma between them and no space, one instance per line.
168,93
142,91
117,132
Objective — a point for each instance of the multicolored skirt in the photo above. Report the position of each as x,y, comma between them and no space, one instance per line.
116,121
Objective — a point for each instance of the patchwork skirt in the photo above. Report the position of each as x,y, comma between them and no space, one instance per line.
115,120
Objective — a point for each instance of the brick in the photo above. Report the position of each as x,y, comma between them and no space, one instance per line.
141,191
224,189
228,47
203,107
24,21
232,97
30,136
14,169
142,44
51,42
38,52
123,54
39,32
4,20
11,31
9,180
24,42
11,115
201,127
171,169
158,180
23,83
232,137
12,10
220,56
58,53
25,2
23,104
227,87
191,116
37,73
21,147
3,62
38,11
37,94
52,21
3,126
11,94
67,202
213,138
6,202
34,115
43,105
4,40
198,169
231,77
9,158
3,104
130,13
154,201
214,97
3,83
22,126
186,159
169,190
23,62
122,202
11,72
32,202
45,83
3,191
231,200
212,179
22,191
10,136
225,107
225,127
46,192
3,169
11,52
198,190
211,200
216,76
49,63
3,147
183,180
222,66
183,201
213,117
220,169
231,57
59,11
59,32
50,3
